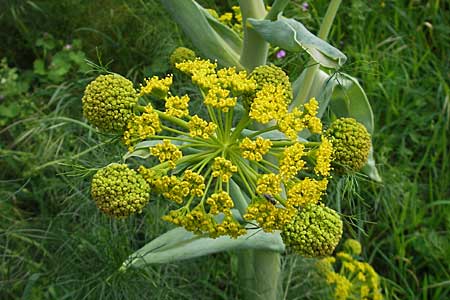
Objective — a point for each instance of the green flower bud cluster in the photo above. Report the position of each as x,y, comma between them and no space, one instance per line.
108,102
352,247
351,143
271,74
315,231
180,55
119,191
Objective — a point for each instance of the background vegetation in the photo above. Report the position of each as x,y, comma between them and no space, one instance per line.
54,244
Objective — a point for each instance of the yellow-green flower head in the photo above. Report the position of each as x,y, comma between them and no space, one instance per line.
181,54
351,143
352,247
254,150
119,191
315,231
108,102
273,75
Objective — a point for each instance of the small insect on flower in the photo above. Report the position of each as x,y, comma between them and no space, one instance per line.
270,198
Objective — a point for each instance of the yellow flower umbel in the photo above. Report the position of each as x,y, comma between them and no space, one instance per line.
349,277
199,161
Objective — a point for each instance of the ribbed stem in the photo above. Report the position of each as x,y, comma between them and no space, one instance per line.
311,71
255,48
259,274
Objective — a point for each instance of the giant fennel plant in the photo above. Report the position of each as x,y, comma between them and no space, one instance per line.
249,171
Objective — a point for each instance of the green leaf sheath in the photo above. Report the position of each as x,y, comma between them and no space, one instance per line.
291,35
179,244
349,100
227,34
191,18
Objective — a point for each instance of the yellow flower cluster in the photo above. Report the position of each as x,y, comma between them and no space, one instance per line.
353,279
142,127
292,123
223,168
166,151
313,122
306,191
202,72
201,128
172,188
269,216
219,98
269,184
221,87
196,183
220,202
177,106
156,87
254,150
292,162
324,157
269,104
236,82
200,222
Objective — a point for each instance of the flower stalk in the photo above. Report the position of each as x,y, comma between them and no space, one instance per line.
255,48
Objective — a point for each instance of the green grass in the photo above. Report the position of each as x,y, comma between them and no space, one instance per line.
54,244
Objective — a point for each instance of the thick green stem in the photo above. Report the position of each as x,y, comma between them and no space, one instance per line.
314,66
277,7
255,48
259,272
